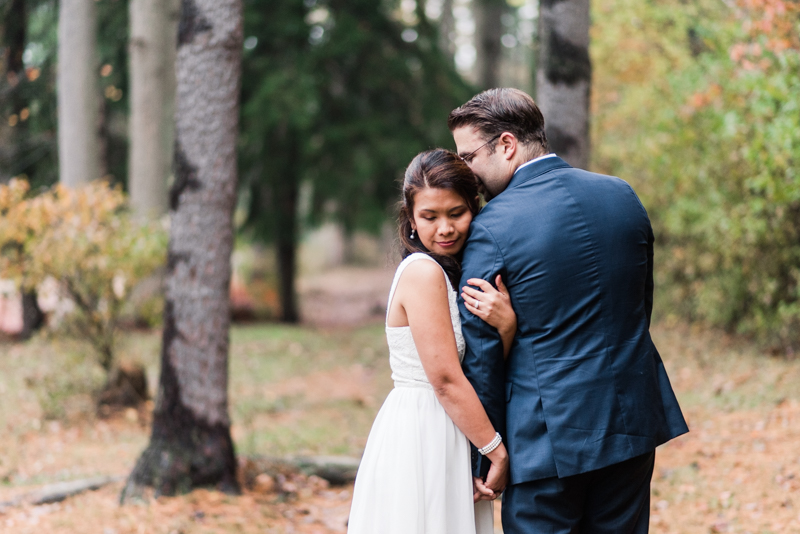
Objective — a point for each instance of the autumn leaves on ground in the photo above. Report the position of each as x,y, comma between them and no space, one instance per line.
315,391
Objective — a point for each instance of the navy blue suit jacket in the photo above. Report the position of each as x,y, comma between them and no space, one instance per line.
584,387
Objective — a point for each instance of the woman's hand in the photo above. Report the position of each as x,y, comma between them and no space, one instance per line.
493,306
496,479
490,304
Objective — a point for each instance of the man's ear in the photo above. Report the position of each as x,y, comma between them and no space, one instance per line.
509,144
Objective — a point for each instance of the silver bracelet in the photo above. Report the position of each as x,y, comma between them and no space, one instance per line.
492,445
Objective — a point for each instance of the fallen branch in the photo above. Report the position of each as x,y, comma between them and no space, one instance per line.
337,470
59,491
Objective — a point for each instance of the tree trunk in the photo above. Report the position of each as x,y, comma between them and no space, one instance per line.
77,92
154,30
447,26
191,444
13,36
564,77
32,316
488,31
286,240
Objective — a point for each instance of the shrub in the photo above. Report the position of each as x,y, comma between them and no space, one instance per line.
709,132
85,240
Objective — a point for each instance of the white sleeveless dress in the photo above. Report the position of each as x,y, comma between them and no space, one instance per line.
415,475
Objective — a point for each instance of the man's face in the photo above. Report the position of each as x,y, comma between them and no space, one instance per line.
493,170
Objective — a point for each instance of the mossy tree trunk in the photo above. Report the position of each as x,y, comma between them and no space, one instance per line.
564,77
190,444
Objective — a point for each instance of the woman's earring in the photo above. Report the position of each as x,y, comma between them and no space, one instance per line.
412,234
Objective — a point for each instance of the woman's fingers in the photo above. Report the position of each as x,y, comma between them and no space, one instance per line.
474,293
473,305
501,287
483,284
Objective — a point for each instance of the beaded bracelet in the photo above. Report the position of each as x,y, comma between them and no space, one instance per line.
492,445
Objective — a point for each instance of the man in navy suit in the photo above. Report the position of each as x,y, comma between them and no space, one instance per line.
583,399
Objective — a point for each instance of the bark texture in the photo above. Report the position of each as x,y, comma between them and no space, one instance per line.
154,30
190,443
78,97
564,77
488,32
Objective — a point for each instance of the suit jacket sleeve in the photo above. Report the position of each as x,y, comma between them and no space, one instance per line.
484,364
648,288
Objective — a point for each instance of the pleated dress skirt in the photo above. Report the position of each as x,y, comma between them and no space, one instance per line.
415,475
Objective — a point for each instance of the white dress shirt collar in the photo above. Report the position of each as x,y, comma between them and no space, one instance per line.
540,158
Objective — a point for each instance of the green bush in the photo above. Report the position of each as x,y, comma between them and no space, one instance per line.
715,155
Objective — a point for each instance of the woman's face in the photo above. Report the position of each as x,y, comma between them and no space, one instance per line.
441,219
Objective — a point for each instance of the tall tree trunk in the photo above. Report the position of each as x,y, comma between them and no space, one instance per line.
564,77
447,27
488,31
154,30
78,104
285,198
191,444
13,36
15,40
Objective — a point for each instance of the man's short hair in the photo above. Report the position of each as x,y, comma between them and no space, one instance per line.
501,110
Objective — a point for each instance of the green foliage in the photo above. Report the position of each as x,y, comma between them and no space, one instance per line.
28,109
333,96
714,154
85,241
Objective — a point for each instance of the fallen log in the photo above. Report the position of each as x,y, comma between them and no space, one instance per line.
59,491
337,470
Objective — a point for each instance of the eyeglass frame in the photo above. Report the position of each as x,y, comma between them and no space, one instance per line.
469,157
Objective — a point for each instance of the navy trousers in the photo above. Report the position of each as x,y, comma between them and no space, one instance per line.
611,500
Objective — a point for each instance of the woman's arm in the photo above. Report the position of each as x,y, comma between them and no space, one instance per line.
493,306
422,292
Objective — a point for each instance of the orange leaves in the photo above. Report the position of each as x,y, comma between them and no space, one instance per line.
704,98
772,21
85,241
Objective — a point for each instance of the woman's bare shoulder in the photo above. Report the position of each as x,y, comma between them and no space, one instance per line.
423,274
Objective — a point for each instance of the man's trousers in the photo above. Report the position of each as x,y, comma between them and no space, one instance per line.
611,500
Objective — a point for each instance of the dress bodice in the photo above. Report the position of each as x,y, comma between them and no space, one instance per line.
403,356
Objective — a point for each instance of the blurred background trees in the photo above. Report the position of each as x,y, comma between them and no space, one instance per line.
337,98
694,106
691,102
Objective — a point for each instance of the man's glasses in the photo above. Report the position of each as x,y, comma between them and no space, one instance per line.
469,157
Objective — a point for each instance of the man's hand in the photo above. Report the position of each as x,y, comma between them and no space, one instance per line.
497,477
480,492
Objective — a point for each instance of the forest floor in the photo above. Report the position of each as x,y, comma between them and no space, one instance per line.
314,390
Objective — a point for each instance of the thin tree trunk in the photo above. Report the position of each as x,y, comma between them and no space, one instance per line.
286,239
32,316
191,444
447,25
154,30
78,104
564,77
15,30
488,31
15,39
13,36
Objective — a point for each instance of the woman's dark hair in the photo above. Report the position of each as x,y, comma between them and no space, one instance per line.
437,169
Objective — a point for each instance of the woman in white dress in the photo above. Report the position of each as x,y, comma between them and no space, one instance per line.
415,475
